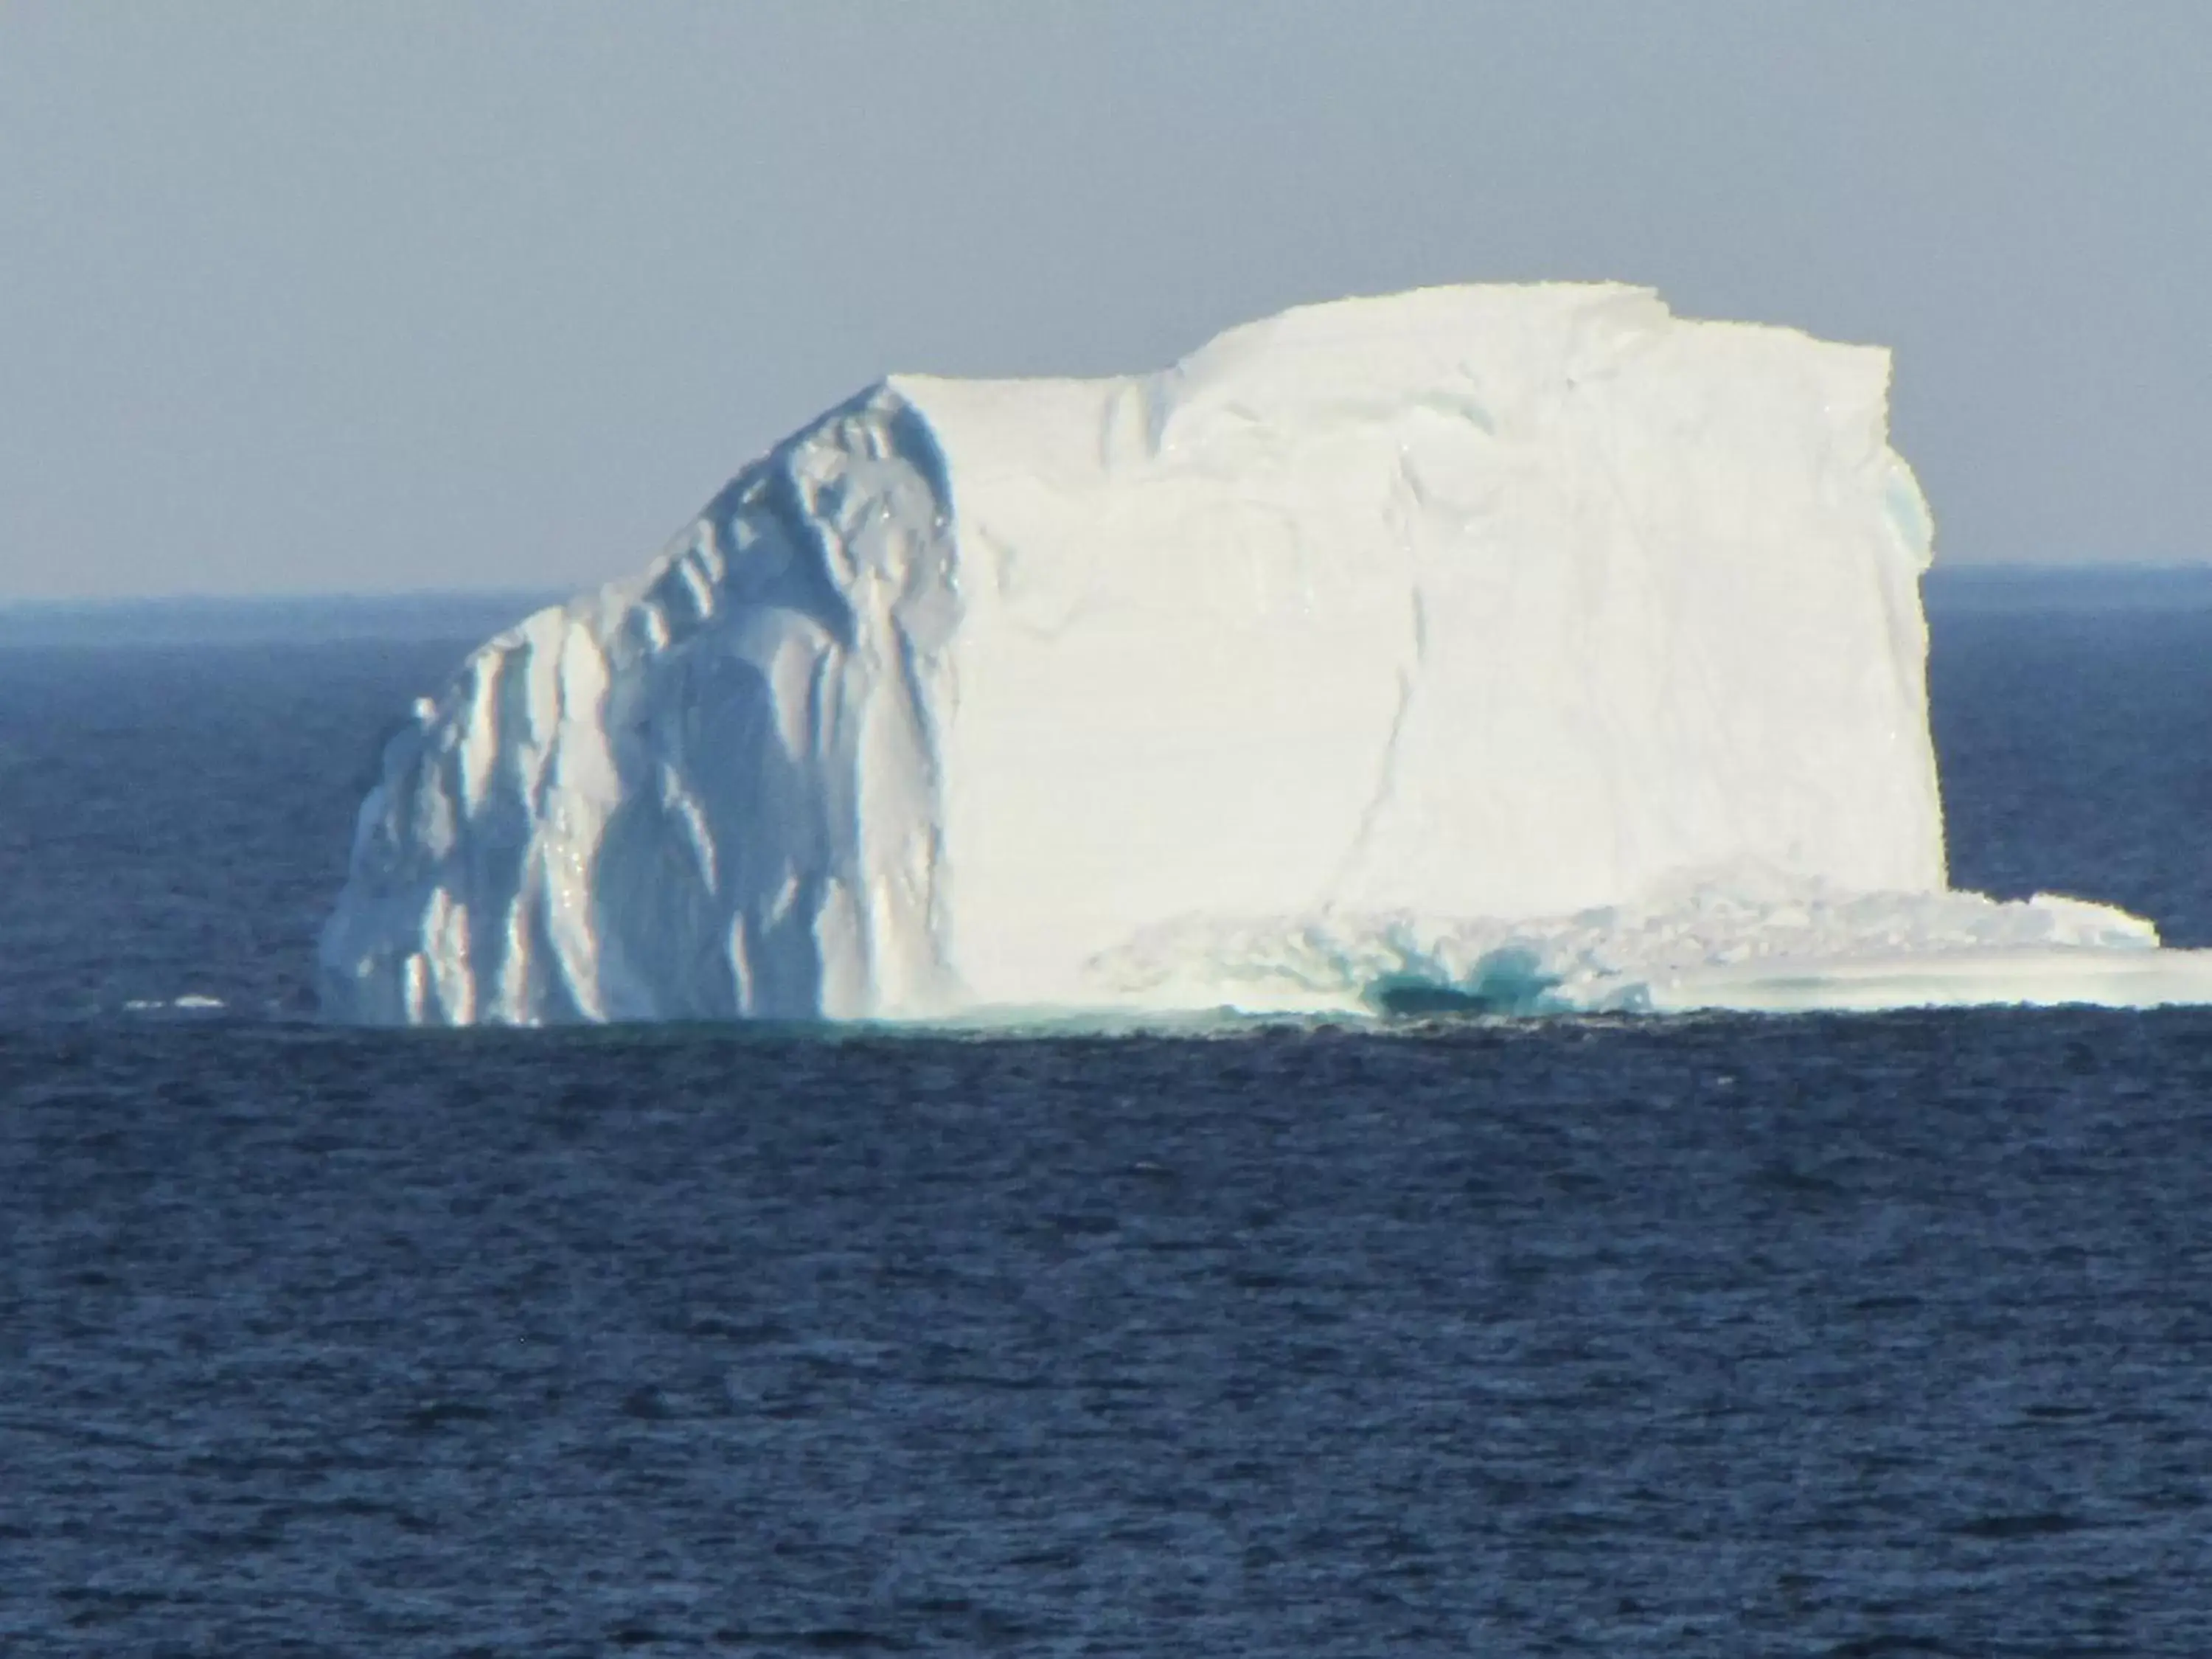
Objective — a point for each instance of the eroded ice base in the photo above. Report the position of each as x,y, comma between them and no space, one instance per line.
1753,942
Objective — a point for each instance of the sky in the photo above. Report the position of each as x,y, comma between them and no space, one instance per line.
303,297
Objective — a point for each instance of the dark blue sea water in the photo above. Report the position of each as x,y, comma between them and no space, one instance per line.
1819,1336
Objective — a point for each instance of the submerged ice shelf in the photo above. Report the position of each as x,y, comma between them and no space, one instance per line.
1528,643
1750,941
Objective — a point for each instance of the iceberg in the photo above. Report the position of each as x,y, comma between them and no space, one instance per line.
1531,645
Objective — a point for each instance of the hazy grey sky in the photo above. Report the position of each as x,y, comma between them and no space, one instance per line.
361,296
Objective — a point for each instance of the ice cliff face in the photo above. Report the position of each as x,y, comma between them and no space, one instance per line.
714,791
1479,604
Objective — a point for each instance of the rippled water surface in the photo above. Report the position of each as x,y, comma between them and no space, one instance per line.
1821,1336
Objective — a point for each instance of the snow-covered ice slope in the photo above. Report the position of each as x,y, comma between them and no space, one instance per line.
1419,618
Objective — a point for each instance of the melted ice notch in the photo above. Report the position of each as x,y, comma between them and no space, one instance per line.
1452,613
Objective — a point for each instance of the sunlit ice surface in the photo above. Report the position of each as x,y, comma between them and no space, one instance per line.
1528,647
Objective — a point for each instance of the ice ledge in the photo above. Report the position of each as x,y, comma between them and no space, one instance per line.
1755,941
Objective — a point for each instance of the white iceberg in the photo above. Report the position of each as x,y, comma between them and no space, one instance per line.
1476,638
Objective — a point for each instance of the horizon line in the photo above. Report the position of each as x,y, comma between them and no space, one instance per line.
188,598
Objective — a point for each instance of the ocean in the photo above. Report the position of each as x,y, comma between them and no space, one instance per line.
1814,1335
